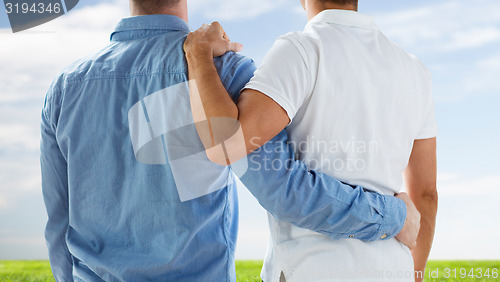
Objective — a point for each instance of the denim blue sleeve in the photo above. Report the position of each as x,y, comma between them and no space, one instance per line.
316,201
309,199
235,71
55,195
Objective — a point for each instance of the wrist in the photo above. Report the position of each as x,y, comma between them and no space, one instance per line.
199,52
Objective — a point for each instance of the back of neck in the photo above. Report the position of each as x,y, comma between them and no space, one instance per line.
313,8
179,10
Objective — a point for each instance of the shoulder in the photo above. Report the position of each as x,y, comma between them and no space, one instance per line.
308,40
420,66
232,64
307,44
420,72
79,70
72,74
303,41
411,60
417,75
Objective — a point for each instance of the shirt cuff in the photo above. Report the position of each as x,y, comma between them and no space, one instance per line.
394,217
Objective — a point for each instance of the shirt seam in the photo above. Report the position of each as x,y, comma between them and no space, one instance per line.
224,226
104,77
381,223
50,103
122,76
146,27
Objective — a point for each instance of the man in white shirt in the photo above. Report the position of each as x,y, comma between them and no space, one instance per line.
358,107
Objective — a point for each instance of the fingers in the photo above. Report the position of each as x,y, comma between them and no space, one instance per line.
226,37
235,47
230,46
213,38
217,27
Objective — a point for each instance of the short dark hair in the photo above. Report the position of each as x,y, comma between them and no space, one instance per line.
152,6
342,2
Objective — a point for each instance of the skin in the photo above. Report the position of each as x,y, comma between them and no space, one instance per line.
420,178
313,8
261,118
180,10
254,110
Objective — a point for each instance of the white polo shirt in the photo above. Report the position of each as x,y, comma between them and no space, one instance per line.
356,101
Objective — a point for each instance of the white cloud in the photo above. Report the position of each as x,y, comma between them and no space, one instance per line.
474,37
490,63
298,9
467,219
253,234
3,202
30,60
453,185
233,9
19,135
444,177
479,77
35,56
445,26
456,36
100,18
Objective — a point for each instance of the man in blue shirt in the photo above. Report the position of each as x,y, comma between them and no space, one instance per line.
129,192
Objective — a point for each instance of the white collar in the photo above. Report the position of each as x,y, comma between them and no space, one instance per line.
345,17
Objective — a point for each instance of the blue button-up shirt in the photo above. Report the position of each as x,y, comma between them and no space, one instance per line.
129,192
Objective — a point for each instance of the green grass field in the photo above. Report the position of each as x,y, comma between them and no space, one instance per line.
248,271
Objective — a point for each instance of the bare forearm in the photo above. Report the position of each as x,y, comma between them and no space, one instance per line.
228,131
427,206
215,100
420,178
214,112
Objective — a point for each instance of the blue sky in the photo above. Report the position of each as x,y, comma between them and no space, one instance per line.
458,40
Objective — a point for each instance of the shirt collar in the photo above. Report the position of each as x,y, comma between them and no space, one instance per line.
140,26
345,17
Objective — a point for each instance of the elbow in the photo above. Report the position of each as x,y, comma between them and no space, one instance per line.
230,148
225,155
215,141
432,195
429,195
217,157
